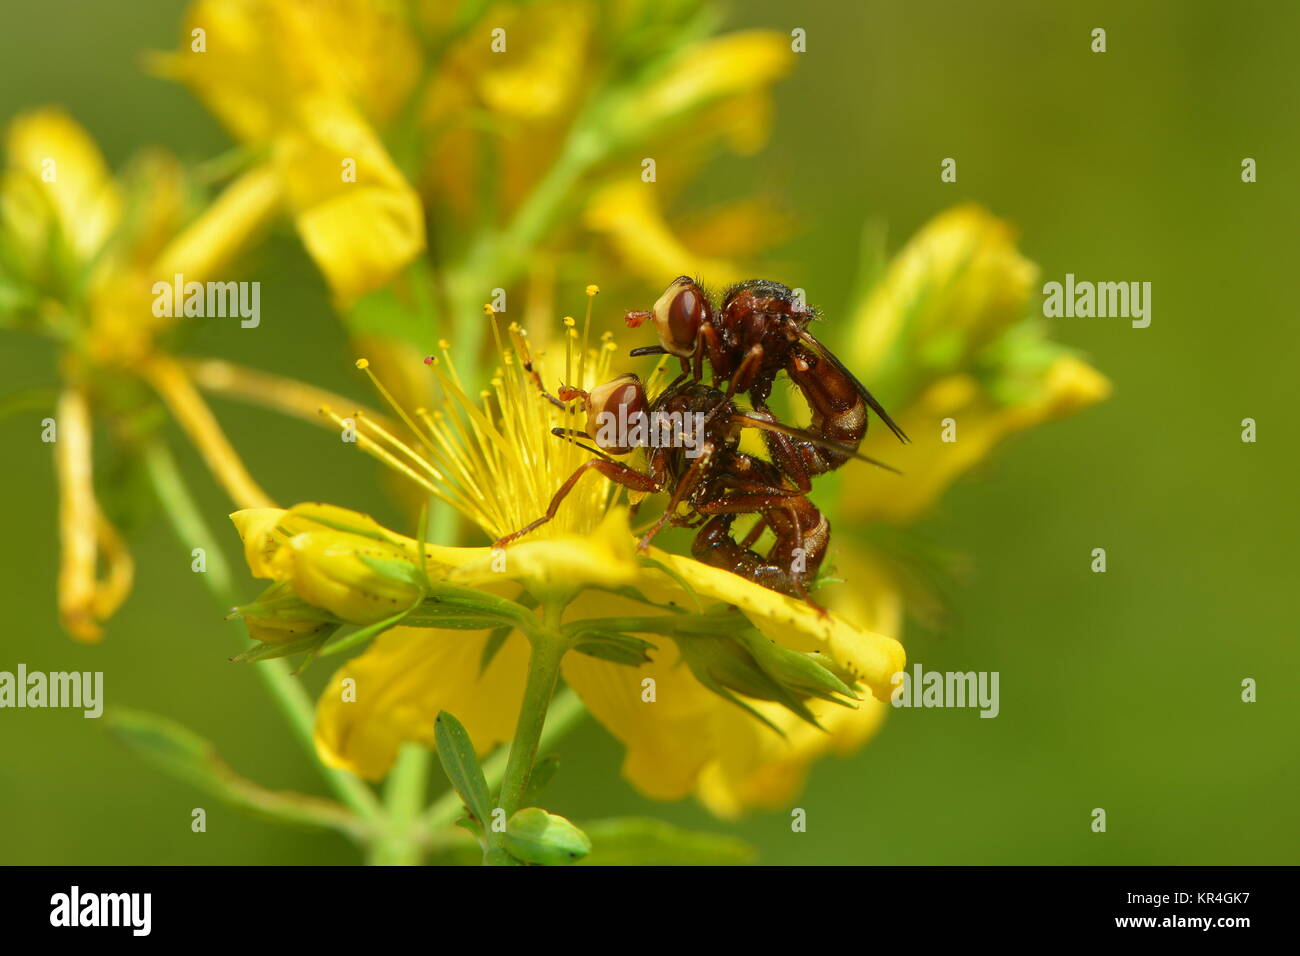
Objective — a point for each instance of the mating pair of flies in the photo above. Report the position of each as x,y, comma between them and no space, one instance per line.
758,330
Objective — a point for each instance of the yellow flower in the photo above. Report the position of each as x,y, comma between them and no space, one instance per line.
723,642
58,185
305,81
82,271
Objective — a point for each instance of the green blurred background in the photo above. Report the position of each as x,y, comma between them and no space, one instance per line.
1118,690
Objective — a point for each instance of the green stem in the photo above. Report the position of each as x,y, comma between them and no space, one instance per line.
548,649
497,258
543,674
285,690
403,797
566,710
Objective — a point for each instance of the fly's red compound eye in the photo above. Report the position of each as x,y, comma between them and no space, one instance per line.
613,410
678,315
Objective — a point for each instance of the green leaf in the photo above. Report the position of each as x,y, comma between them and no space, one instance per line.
183,754
460,763
635,841
545,839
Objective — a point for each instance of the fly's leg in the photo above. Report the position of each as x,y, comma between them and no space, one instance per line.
690,481
802,538
615,471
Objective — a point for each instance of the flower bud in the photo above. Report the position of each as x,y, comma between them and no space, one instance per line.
957,285
358,579
535,836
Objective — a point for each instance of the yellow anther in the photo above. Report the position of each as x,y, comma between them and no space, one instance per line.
363,364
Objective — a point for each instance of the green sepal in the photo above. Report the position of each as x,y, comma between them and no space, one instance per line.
364,634
747,663
280,600
803,674
264,651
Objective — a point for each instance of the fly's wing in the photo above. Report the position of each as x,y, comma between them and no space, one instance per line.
803,435
826,354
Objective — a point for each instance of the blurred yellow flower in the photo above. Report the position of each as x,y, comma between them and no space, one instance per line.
82,270
953,288
978,424
946,340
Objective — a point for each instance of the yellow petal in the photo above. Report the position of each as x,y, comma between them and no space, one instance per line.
930,464
211,241
604,558
48,148
192,413
362,232
401,683
77,517
265,531
756,768
260,56
667,740
628,215
871,658
731,65
688,739
537,76
256,527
